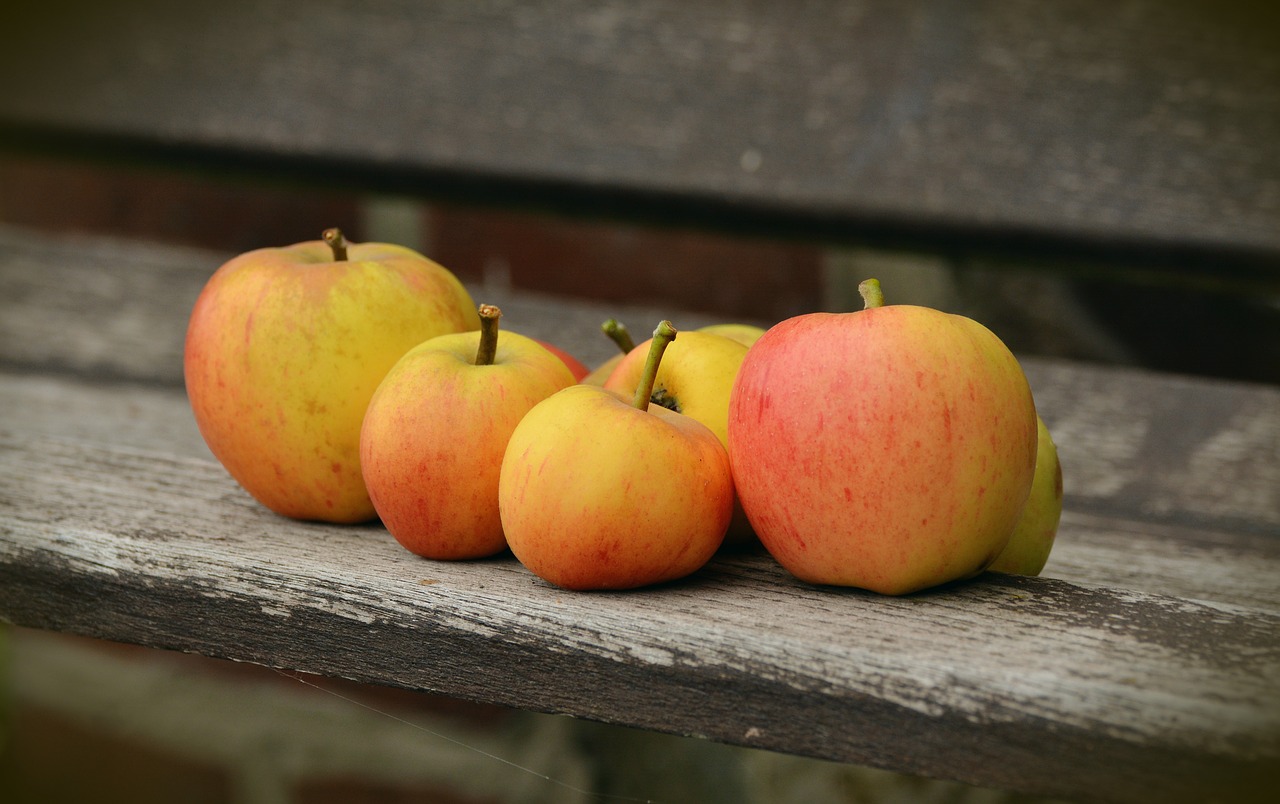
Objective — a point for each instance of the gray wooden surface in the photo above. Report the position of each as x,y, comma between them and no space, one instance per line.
1149,127
1144,665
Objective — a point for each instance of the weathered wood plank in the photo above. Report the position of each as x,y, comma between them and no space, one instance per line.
1029,684
1140,124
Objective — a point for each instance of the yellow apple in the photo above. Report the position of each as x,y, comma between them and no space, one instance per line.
1028,549
285,347
746,334
437,427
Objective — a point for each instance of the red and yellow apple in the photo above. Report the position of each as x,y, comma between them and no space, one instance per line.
436,430
695,379
601,490
890,449
575,366
1032,540
285,347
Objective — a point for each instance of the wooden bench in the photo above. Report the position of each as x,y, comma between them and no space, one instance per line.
1143,665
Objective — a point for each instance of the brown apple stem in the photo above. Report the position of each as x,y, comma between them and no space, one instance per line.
872,295
619,334
662,336
489,315
337,242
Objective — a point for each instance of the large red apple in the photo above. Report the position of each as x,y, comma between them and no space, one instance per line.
890,449
284,349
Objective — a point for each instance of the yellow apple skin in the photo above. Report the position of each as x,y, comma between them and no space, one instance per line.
598,494
696,373
890,449
745,334
285,347
696,376
434,435
1028,549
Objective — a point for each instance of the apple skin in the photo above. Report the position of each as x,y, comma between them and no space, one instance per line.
576,366
435,432
696,374
284,348
696,377
1028,549
745,334
890,449
598,494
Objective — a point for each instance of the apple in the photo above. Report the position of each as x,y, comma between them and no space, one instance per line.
284,348
890,449
601,490
1028,549
436,429
575,366
620,335
695,379
746,334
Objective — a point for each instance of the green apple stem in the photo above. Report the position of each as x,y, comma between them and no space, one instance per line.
337,242
619,334
489,315
872,295
662,336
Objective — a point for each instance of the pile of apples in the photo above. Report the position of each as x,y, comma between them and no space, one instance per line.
891,449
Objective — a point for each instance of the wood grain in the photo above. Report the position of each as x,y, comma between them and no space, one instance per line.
136,545
1138,124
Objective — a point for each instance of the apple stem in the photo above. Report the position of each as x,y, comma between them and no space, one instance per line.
337,242
662,336
872,295
489,315
619,334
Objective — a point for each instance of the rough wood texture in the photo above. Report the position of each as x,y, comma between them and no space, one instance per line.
1003,681
1139,125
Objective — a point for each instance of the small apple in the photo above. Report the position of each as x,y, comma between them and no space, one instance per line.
285,347
600,490
437,427
695,379
1028,549
620,335
890,449
745,334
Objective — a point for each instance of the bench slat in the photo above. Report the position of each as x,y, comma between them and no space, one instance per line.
1140,124
1179,696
